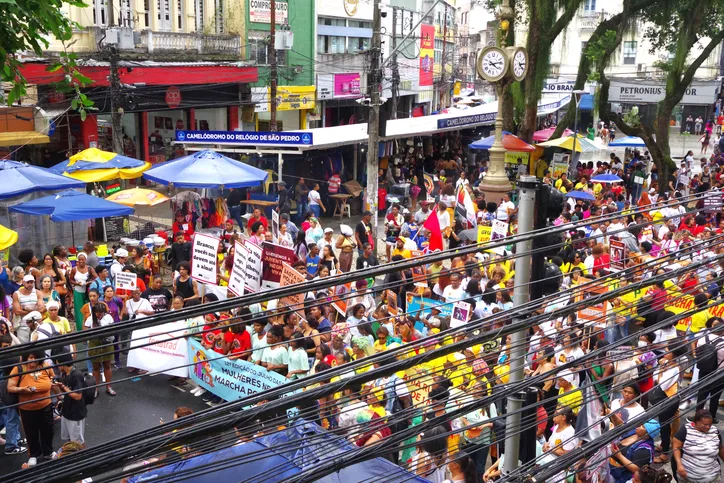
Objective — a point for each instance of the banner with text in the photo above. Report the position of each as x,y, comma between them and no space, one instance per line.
228,379
203,258
238,270
253,267
165,355
273,259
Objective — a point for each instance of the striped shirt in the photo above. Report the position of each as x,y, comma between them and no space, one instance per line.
700,452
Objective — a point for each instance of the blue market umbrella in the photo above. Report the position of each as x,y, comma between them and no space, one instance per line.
22,178
206,169
485,143
628,142
606,178
581,195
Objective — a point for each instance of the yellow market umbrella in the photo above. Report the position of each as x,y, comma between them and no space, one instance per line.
93,165
138,197
8,237
564,143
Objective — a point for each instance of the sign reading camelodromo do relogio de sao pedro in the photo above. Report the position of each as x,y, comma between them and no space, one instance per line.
245,137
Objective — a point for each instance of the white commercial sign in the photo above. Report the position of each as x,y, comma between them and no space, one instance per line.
260,11
325,87
168,352
203,258
701,93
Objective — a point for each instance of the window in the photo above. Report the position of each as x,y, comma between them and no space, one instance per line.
333,22
589,6
199,15
100,13
126,14
330,44
438,51
584,46
360,24
180,15
147,13
163,15
219,16
258,51
358,44
629,52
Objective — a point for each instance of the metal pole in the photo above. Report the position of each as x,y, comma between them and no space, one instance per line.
373,128
443,75
280,160
521,296
571,166
395,72
273,67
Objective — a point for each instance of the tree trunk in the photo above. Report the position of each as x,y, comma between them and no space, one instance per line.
508,109
530,116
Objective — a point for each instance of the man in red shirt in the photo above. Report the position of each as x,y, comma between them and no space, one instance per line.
601,260
257,216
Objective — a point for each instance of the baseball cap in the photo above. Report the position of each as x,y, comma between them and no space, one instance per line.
121,252
28,278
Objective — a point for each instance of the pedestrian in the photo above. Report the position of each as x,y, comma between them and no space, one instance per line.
345,244
184,224
9,416
315,201
100,350
301,195
284,205
233,201
74,412
25,301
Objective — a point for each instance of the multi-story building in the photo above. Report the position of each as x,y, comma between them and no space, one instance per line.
180,66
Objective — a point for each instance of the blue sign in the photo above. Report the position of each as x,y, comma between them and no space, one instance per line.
463,121
286,138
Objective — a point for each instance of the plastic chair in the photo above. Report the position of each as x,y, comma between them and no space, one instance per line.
346,210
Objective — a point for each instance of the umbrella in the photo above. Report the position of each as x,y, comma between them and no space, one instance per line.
581,195
206,169
606,178
71,205
628,142
92,165
510,143
565,143
545,134
21,178
138,197
8,237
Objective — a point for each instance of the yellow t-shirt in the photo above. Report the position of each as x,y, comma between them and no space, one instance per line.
698,320
580,186
380,347
61,325
574,400
405,253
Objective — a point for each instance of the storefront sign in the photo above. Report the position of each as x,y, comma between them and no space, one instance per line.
427,54
325,87
260,11
113,188
350,6
289,98
347,85
203,258
702,93
462,121
238,270
173,97
228,379
253,267
287,138
512,157
558,86
273,259
167,355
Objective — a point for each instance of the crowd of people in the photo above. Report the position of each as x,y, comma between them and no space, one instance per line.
661,224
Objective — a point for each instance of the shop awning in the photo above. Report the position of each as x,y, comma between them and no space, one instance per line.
330,137
22,137
586,102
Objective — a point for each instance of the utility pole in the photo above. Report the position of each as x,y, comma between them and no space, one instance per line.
395,71
443,60
374,84
115,90
521,296
273,67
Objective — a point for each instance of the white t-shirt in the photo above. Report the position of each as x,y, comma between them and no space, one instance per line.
314,198
106,320
662,335
444,220
451,294
502,213
135,308
631,411
565,438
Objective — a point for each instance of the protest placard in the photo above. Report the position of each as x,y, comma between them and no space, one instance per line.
618,254
203,258
290,276
126,281
275,226
273,257
253,267
167,355
460,314
238,269
392,307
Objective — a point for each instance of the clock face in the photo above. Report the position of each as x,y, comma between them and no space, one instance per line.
520,61
493,64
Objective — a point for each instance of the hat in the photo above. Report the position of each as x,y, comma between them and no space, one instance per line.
442,172
346,230
28,278
567,375
652,427
83,254
328,230
121,252
33,316
282,184
52,305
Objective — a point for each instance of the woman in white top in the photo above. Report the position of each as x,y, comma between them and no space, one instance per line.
315,201
563,438
666,377
101,349
630,393
80,277
25,300
429,461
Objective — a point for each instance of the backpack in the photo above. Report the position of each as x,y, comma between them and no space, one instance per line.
89,389
706,359
395,407
55,351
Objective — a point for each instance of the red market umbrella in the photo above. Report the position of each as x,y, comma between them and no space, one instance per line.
510,143
545,134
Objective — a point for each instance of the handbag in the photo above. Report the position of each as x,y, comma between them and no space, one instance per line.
656,396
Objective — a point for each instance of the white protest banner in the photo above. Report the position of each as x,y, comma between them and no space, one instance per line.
460,314
238,270
291,277
253,267
498,232
275,225
126,281
165,355
203,258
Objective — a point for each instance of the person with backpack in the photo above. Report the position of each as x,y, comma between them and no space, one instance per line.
9,417
73,386
709,358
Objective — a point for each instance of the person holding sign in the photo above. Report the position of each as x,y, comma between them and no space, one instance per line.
181,224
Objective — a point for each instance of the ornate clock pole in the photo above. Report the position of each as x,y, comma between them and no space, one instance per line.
500,65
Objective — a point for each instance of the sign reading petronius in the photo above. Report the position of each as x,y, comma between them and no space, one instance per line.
245,137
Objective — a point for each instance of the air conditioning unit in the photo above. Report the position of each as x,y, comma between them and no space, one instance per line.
641,68
284,40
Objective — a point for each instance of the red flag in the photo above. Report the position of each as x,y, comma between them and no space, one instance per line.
433,224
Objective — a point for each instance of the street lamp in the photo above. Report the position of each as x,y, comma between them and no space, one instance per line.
577,94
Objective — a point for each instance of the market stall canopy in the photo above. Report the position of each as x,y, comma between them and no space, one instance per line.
206,169
21,138
606,178
8,237
510,143
583,145
278,457
93,165
545,134
581,195
22,178
71,205
627,142
138,197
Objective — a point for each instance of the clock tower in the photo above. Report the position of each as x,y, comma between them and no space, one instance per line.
500,65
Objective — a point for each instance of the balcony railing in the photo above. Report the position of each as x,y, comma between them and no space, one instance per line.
590,20
201,43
